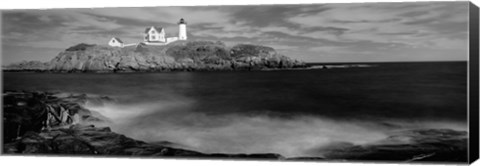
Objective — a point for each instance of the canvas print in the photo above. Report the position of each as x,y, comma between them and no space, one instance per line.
312,82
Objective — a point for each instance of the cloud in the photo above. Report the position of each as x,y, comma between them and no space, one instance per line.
53,29
363,27
171,15
389,22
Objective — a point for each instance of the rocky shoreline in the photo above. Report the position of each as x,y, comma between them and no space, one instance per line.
50,123
57,124
176,56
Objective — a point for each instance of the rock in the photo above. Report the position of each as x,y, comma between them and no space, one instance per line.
410,145
80,47
189,56
23,112
28,66
247,50
34,111
89,140
27,131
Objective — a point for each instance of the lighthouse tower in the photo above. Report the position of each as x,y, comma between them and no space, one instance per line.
182,30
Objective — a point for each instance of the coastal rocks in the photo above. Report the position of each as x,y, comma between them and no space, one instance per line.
38,123
80,47
90,140
23,112
28,66
180,55
408,145
92,58
34,111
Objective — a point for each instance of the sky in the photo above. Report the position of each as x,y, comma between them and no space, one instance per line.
347,32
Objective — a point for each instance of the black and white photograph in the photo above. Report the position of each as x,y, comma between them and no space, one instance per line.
334,82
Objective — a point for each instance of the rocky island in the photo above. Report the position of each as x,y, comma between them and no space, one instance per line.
176,56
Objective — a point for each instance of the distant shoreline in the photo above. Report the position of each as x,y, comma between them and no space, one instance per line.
381,62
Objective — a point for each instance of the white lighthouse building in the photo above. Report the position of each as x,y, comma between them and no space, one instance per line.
182,29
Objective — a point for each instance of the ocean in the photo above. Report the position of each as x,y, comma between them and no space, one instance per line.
289,112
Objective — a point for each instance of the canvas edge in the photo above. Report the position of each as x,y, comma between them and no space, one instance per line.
473,69
473,120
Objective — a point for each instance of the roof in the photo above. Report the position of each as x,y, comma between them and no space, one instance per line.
182,21
118,39
158,29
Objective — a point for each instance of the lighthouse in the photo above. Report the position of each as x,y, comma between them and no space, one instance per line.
182,29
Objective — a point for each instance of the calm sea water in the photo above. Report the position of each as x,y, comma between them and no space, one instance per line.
397,90
205,110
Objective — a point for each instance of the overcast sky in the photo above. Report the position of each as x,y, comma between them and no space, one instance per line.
355,32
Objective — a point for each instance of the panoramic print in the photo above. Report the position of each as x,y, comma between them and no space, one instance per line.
313,82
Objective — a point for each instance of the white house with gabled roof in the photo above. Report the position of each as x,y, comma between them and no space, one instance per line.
115,42
154,35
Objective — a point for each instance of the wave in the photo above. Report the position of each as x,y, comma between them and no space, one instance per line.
177,121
